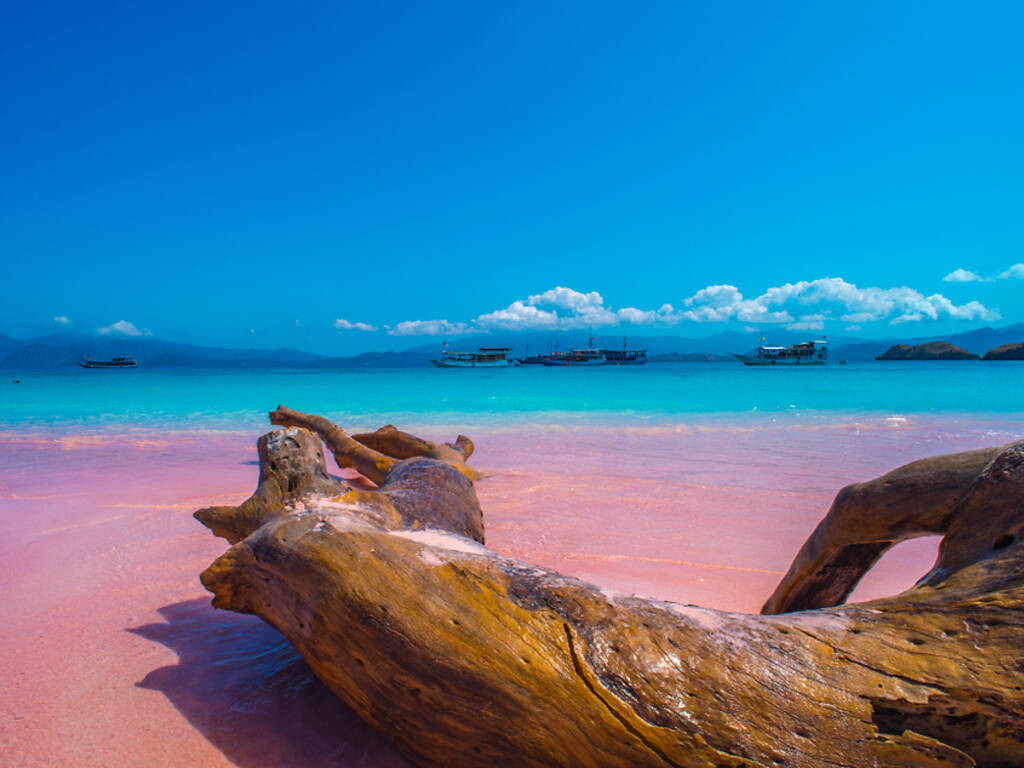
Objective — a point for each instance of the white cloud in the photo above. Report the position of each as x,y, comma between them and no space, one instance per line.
125,328
1016,271
587,309
852,328
962,276
829,297
584,310
666,314
567,298
518,315
345,325
858,317
808,323
907,317
966,276
873,303
638,316
718,303
429,328
716,296
62,320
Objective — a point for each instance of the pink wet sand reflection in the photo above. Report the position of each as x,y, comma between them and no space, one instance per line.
113,656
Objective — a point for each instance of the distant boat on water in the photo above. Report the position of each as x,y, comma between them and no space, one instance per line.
589,356
807,353
485,357
532,360
625,356
114,362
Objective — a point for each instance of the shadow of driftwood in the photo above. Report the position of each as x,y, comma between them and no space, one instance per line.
243,686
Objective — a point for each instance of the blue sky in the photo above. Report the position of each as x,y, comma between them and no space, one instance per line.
254,174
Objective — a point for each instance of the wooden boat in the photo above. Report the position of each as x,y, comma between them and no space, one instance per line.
485,357
589,356
625,356
114,362
807,353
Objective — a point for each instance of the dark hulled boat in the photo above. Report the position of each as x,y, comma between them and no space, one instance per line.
625,356
589,356
114,362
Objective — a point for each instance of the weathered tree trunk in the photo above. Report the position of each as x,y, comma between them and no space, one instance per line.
467,658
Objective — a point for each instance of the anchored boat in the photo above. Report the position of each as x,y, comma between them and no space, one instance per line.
625,356
114,362
589,356
808,353
485,357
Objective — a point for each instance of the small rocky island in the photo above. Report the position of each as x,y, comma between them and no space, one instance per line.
933,350
1006,352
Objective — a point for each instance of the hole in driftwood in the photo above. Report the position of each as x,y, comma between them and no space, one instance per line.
898,569
1003,540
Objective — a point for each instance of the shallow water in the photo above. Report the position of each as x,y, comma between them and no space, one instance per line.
113,655
651,394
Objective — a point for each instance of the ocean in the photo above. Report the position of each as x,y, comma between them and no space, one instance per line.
78,399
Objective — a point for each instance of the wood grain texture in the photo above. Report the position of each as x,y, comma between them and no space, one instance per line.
466,658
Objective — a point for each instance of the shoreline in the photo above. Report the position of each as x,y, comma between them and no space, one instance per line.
114,655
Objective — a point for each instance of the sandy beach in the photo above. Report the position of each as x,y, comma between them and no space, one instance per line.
113,655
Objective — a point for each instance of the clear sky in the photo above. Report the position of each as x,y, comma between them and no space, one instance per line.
263,174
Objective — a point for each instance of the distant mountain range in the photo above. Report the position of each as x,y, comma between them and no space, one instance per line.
66,350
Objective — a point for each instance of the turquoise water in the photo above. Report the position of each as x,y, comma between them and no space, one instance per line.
656,393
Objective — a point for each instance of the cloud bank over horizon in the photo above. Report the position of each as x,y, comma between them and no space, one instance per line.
803,305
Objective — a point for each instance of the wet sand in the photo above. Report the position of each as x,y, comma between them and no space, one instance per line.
113,656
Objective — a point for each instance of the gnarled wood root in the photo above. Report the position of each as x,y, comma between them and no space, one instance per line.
467,658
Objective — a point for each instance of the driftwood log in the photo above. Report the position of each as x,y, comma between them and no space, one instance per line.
467,658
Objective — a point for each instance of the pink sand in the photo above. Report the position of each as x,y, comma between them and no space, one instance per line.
113,656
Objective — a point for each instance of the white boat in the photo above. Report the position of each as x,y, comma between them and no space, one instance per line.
808,353
485,357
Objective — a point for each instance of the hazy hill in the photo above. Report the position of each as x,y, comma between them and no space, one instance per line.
8,345
983,339
977,342
65,350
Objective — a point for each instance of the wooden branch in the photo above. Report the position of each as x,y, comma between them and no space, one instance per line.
866,519
467,658
393,442
347,452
